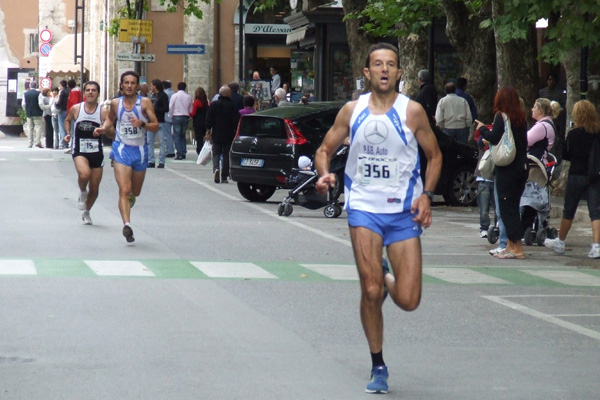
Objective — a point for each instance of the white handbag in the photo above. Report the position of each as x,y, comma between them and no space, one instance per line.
504,152
205,154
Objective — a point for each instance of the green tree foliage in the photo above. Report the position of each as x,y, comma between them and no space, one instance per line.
571,24
389,18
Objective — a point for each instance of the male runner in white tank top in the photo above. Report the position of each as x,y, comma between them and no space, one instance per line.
134,115
86,146
385,200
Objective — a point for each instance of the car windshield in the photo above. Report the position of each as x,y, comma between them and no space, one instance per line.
263,127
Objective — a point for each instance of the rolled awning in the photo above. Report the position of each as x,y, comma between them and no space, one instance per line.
60,60
296,35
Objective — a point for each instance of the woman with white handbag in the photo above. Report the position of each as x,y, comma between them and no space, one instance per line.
508,138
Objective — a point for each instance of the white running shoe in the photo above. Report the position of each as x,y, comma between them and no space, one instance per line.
555,244
82,199
594,251
483,234
85,217
497,250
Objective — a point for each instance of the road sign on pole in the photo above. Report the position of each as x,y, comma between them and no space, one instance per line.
45,83
45,35
45,49
186,49
136,57
135,27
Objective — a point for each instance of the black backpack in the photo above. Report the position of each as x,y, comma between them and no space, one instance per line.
540,147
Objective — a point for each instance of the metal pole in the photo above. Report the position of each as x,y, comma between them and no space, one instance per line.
241,40
81,74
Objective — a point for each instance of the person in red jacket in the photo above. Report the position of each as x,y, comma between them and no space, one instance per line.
74,94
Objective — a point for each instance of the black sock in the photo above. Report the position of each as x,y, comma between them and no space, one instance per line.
377,359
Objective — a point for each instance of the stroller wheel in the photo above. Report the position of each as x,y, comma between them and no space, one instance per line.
280,209
330,211
287,210
492,234
529,236
552,233
540,237
338,211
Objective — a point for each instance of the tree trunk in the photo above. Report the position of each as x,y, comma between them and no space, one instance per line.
517,62
571,64
358,41
475,47
413,58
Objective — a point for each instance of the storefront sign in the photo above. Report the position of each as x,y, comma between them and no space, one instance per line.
267,29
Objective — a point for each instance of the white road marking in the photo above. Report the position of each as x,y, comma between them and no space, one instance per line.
119,268
572,278
270,213
546,317
17,267
232,270
334,271
463,276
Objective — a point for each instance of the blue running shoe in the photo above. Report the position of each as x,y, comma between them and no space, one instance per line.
386,270
378,382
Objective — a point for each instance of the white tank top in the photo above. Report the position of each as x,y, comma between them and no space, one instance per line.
125,132
383,171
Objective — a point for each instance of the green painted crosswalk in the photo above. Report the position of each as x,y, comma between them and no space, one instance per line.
287,271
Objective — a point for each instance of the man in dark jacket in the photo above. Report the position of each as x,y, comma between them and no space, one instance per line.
221,123
427,95
236,98
160,101
34,115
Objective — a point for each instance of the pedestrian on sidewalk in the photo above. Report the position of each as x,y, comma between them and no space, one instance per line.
577,150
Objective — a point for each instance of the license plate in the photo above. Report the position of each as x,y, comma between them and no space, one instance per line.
252,162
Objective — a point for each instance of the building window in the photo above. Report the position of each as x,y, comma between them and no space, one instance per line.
31,42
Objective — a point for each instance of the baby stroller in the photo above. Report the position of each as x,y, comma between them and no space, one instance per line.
535,201
304,193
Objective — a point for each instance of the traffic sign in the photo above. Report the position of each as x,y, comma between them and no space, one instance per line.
45,83
186,49
45,35
135,29
136,57
45,49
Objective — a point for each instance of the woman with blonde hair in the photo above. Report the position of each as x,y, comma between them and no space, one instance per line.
540,138
577,150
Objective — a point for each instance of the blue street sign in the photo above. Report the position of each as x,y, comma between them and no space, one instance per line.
186,49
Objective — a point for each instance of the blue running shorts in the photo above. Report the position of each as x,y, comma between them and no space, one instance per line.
135,157
391,227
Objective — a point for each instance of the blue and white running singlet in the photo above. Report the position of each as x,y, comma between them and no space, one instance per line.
125,132
383,168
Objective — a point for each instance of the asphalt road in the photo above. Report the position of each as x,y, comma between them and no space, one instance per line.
220,298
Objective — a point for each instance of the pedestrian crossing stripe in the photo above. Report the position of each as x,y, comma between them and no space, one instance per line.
287,271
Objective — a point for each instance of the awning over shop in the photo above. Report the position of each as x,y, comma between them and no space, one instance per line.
60,60
296,35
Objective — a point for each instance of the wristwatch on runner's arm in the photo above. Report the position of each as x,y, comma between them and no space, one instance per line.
428,194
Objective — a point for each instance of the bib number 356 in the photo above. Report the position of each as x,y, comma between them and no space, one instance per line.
378,171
